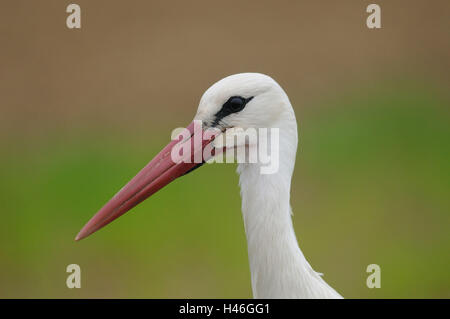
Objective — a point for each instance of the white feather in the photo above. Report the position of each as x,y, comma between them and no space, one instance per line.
278,266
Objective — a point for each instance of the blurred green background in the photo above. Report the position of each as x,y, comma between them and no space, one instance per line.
83,110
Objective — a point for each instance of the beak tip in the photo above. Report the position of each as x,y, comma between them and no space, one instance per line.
80,236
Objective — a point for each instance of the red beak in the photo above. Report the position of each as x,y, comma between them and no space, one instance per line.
155,175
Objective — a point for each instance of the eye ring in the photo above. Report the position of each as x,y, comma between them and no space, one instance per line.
234,104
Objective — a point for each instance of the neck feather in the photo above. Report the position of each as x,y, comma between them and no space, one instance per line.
278,266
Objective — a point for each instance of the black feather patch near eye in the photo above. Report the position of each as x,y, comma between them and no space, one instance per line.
233,105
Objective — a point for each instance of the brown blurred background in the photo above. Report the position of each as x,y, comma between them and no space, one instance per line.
79,110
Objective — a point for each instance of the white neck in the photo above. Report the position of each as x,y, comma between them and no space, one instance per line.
278,267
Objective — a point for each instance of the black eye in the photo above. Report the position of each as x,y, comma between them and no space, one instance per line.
233,105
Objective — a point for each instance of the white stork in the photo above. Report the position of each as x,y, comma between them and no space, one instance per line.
278,266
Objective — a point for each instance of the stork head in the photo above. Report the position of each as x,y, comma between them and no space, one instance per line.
246,100
243,100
